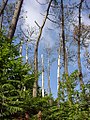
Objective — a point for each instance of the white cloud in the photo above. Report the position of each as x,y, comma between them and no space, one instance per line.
34,10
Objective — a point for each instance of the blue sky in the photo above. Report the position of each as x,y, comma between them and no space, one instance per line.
34,13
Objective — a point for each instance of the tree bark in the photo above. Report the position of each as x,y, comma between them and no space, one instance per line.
58,70
79,37
42,75
20,49
65,54
36,52
63,39
58,73
15,18
3,7
27,51
49,90
1,16
59,65
1,20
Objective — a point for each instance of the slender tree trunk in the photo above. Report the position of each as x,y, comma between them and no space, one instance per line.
27,51
1,20
15,18
58,74
65,55
79,58
20,49
59,65
63,39
49,90
36,73
58,70
42,75
36,52
3,6
1,17
66,60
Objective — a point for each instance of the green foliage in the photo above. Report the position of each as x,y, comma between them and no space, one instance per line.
76,108
16,84
16,80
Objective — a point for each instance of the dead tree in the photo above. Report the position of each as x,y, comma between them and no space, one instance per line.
79,37
59,65
26,51
65,57
49,90
36,51
63,39
42,75
15,18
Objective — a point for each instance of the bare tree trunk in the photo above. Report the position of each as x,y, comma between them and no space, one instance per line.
63,39
65,56
59,65
36,73
79,58
15,18
27,51
42,75
1,20
58,70
49,90
36,52
3,6
1,17
20,49
58,73
63,42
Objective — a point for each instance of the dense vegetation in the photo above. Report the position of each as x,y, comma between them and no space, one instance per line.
16,83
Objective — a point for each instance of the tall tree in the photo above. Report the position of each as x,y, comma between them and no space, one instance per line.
79,37
58,69
15,18
63,38
26,51
36,51
48,53
65,54
59,63
42,75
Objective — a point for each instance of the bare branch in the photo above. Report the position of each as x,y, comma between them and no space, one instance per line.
37,24
52,20
42,3
3,7
36,51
